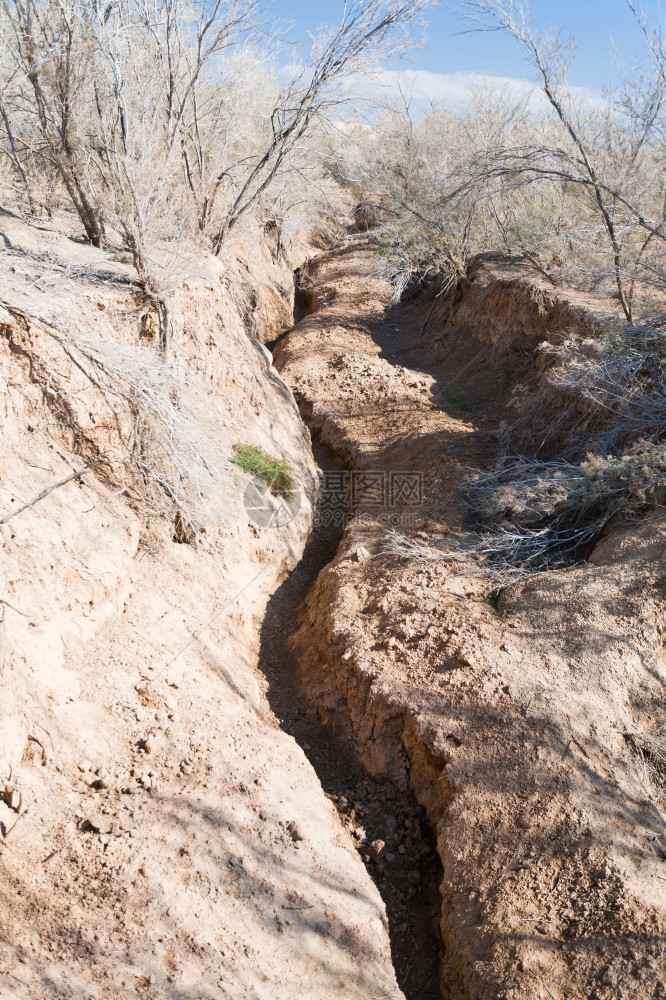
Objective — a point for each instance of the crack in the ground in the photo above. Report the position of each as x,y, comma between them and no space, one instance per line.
386,825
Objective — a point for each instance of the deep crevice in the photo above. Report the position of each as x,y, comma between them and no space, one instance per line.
408,871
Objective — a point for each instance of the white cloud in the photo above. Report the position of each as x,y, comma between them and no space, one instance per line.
456,89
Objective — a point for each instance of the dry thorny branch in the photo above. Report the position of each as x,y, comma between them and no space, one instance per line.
650,746
160,425
168,118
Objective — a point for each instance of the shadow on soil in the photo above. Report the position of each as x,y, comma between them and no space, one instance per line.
409,885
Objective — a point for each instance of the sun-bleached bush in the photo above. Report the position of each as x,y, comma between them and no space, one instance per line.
528,516
175,110
572,181
165,452
169,121
169,127
608,418
600,397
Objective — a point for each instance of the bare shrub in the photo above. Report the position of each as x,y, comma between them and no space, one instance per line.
608,416
171,444
526,517
601,397
414,164
167,453
650,747
398,544
439,204
610,153
168,122
367,29
530,516
177,106
571,181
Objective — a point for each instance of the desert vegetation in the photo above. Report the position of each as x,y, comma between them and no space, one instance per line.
571,180
166,130
177,191
169,126
172,120
598,455
572,183
275,472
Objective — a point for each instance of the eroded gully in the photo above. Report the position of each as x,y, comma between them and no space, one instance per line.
408,871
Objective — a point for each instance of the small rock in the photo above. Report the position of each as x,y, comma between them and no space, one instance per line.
101,824
146,780
295,831
463,658
6,318
376,848
13,798
413,877
390,827
360,554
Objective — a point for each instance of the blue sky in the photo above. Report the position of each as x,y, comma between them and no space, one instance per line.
596,24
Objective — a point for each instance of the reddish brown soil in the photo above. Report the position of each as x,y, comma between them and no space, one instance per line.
506,716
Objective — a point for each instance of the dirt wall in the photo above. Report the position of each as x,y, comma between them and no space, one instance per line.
161,837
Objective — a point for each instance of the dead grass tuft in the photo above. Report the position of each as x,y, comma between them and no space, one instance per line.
650,747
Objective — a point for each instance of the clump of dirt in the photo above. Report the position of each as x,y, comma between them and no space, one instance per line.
505,716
